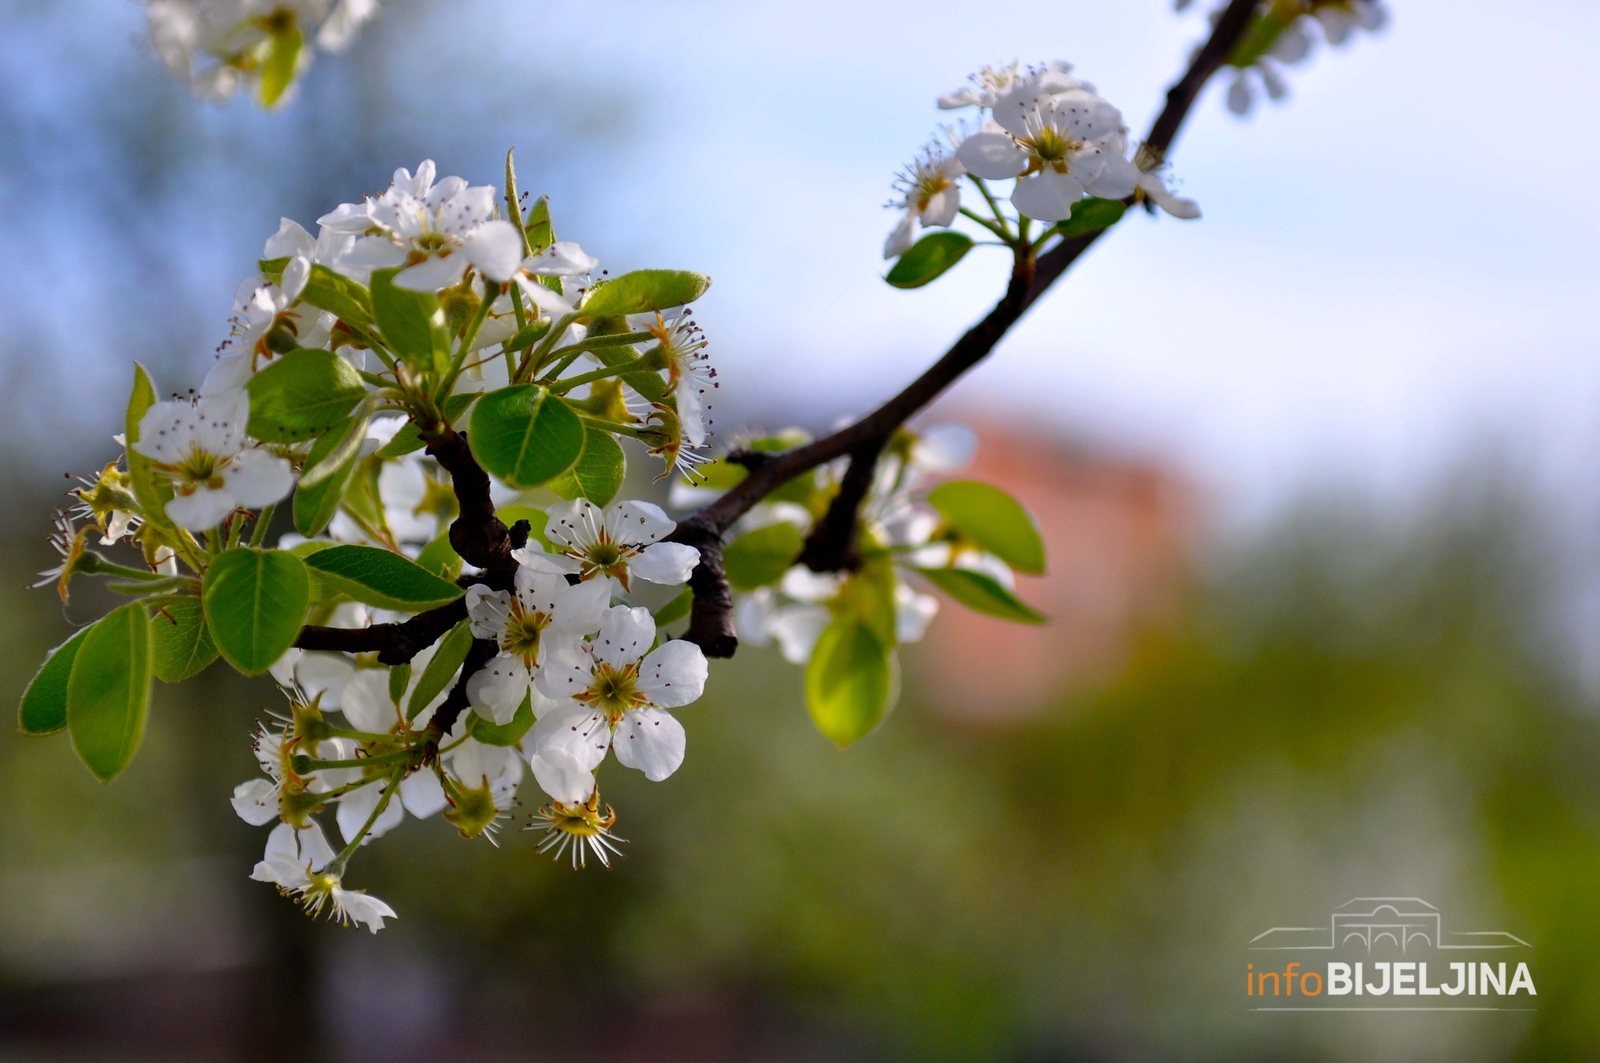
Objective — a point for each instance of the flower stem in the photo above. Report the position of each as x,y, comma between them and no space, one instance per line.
336,866
258,534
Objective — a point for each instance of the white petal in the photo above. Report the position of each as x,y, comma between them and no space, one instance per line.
1047,196
901,237
1116,178
1156,190
357,805
433,274
576,523
992,156
326,674
566,666
202,510
256,801
580,609
314,847
561,776
495,247
475,763
797,628
665,563
542,297
258,477
487,611
497,689
421,793
346,218
673,674
942,206
564,258
944,447
363,909
913,613
625,636
366,703
575,730
231,373
651,740
281,872
372,252
283,668
167,430
638,523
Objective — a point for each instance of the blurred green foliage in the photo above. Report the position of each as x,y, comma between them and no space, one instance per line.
1351,706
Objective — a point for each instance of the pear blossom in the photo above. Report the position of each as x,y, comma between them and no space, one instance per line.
435,230
317,890
482,786
217,45
564,258
931,196
992,82
519,621
615,692
620,543
202,448
579,828
1059,147
683,345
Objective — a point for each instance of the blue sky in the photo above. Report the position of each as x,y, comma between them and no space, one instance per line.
1393,261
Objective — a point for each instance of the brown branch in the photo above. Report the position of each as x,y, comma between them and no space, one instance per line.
830,543
449,711
394,643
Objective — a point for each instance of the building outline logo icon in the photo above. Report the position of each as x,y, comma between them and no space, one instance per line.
1404,922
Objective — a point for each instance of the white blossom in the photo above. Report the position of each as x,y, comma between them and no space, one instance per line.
992,82
620,543
615,691
435,230
930,196
202,447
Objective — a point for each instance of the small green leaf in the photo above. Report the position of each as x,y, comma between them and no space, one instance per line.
994,520
761,557
348,435
108,692
927,259
540,233
338,295
525,436
850,681
982,593
315,506
680,606
182,642
409,439
277,69
399,679
44,704
504,734
302,394
255,602
441,667
1090,216
411,322
642,290
597,474
382,578
440,558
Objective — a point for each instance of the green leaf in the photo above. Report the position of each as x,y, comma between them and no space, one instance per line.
982,593
681,606
994,520
1090,216
182,642
525,436
255,602
440,558
446,659
338,295
850,681
409,438
44,704
302,394
644,289
382,578
504,734
411,322
540,233
347,435
108,692
399,679
277,69
597,474
927,259
152,492
315,506
758,558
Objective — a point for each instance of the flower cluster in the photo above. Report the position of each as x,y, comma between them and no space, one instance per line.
1042,127
1283,33
217,46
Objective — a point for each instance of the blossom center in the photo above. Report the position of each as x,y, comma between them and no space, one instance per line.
1050,145
522,633
200,468
614,690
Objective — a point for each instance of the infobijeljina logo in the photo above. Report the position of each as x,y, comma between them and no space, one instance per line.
1388,954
